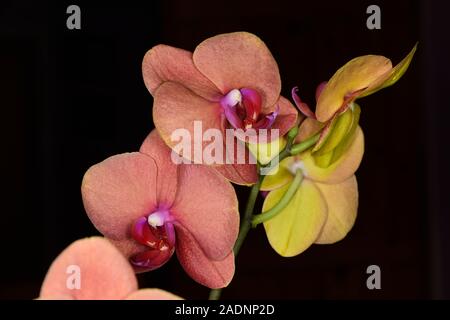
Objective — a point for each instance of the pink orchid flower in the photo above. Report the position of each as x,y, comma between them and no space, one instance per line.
148,207
229,81
104,274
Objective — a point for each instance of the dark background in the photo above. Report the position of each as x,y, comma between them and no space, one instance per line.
71,98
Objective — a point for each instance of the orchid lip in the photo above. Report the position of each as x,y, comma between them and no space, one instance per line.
242,108
268,120
151,259
156,232
232,98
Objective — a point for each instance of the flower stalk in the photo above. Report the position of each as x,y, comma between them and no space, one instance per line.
244,229
269,214
249,219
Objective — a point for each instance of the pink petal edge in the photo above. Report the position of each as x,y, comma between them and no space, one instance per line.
104,272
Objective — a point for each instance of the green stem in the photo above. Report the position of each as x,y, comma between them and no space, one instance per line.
272,212
246,224
247,219
214,294
286,152
304,145
291,150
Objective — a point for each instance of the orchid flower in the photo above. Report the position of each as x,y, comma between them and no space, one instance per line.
336,110
358,78
104,274
229,81
149,207
313,195
323,202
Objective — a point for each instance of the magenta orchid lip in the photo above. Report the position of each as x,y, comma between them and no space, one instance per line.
155,231
242,108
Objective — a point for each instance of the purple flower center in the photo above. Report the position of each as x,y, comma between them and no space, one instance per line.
242,108
156,232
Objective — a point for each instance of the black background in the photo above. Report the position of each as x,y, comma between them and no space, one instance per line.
71,98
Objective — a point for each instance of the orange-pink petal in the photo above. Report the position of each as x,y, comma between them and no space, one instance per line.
207,206
210,273
155,147
241,174
175,110
240,60
165,63
119,190
237,168
103,272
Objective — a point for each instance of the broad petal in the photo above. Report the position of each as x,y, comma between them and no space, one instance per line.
153,294
278,176
340,170
176,110
119,190
104,272
239,60
287,117
210,273
165,63
342,200
298,225
166,179
211,217
355,75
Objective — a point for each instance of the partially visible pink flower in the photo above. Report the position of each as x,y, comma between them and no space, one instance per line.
229,81
104,274
148,207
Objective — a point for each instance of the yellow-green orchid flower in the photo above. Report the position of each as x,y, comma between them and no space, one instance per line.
324,203
336,110
313,194
358,78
